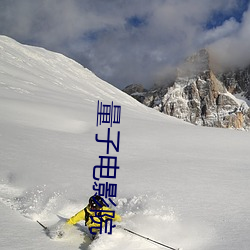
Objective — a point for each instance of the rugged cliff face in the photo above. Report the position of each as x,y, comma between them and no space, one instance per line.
201,97
237,81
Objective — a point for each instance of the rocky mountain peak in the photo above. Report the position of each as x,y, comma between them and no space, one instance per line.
200,96
197,64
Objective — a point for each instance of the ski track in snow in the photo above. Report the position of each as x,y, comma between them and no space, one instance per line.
143,214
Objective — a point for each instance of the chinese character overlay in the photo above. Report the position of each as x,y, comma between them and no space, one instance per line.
101,220
108,141
106,114
108,170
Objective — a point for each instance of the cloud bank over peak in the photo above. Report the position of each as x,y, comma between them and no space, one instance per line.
130,41
232,50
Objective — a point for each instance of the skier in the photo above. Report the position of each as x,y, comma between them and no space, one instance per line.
95,220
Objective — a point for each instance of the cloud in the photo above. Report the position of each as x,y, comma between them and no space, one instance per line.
228,28
233,49
121,41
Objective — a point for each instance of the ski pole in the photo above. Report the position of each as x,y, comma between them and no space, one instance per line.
159,243
45,228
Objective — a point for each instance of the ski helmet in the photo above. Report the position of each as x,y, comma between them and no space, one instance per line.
96,202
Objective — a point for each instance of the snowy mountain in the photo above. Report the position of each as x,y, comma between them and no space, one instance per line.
182,185
201,96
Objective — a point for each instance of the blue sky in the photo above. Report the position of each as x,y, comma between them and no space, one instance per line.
131,41
218,17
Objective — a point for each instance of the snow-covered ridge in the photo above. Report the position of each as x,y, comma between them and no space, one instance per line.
34,66
33,74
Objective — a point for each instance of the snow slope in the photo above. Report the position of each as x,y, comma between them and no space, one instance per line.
179,184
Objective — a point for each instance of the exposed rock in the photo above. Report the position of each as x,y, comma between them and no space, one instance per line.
137,91
237,81
198,96
133,88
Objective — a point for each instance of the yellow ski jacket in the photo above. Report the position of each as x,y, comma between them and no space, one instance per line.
85,214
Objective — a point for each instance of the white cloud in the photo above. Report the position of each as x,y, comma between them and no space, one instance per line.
228,28
233,50
97,32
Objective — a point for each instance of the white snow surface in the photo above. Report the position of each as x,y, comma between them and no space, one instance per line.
182,185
